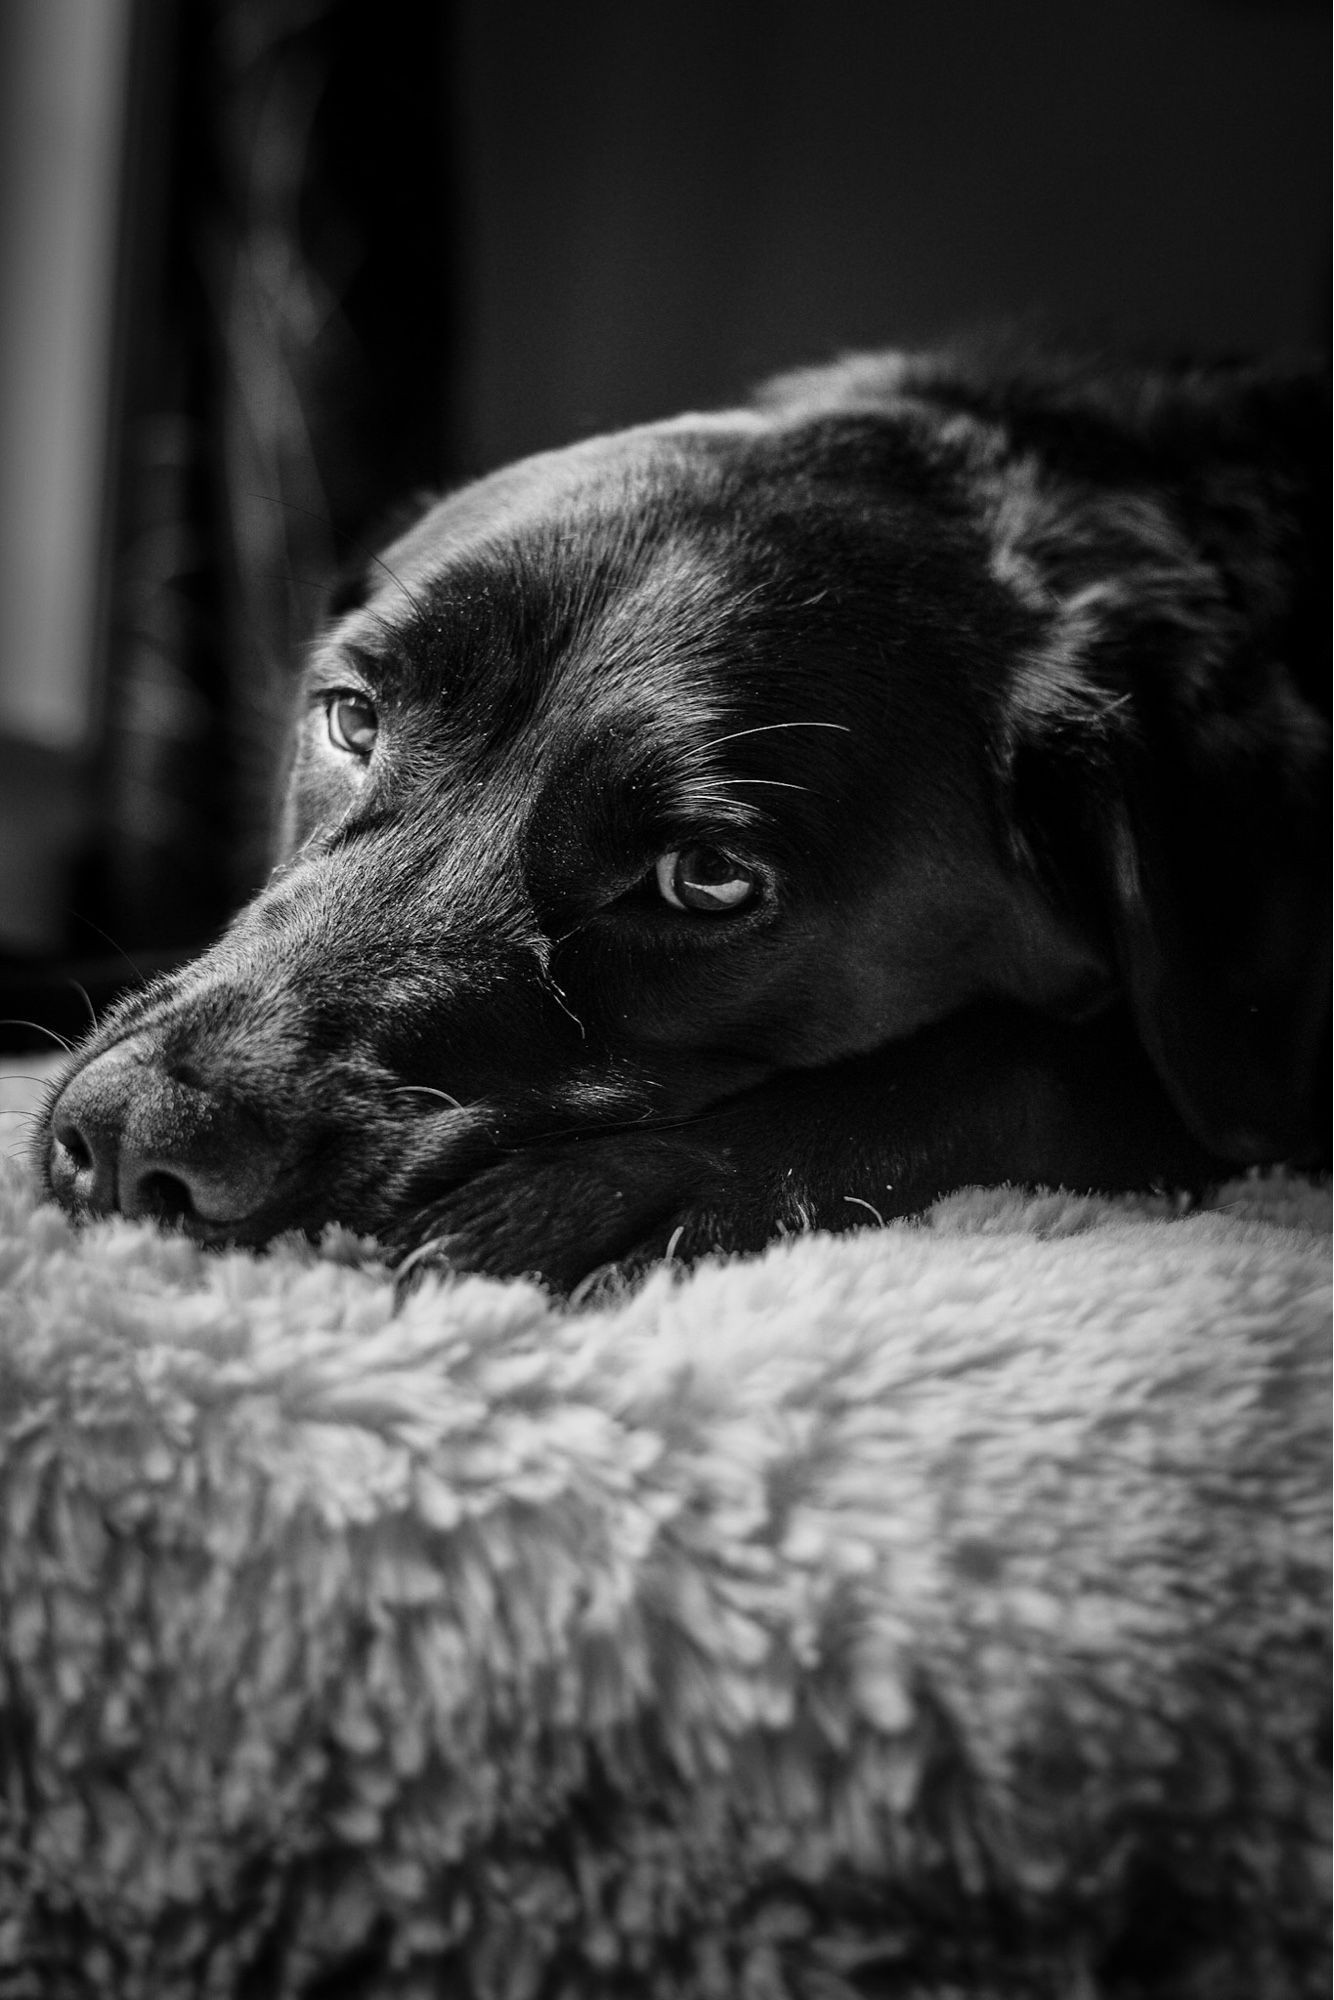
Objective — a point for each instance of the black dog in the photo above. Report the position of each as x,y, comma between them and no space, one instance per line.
751,821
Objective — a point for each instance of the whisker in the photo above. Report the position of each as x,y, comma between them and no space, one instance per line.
312,514
559,998
575,930
693,797
432,1247
14,1021
763,729
417,603
427,1090
859,1203
585,1287
357,548
30,1120
82,990
286,573
781,783
119,950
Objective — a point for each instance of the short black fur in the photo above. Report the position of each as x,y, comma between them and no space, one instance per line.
1000,679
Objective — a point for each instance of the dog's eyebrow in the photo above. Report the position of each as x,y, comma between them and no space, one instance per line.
371,643
708,793
694,782
365,661
711,788
332,653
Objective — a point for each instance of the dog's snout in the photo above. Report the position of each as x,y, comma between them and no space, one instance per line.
128,1136
85,1150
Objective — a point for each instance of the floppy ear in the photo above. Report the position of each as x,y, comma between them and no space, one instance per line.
1200,805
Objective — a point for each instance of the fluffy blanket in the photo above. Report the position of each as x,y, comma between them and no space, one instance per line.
938,1611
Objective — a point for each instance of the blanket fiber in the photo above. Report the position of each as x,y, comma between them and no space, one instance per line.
937,1611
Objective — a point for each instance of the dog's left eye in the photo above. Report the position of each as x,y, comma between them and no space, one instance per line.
352,722
704,878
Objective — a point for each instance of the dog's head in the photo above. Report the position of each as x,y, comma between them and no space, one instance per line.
625,778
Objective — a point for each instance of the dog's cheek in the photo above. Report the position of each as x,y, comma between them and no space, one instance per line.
709,1037
833,980
317,792
701,1030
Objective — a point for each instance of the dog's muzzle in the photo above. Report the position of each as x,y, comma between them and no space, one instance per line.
128,1136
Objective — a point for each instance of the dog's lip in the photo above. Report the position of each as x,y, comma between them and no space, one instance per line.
369,1196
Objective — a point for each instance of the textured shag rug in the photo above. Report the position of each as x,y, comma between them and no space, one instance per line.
939,1611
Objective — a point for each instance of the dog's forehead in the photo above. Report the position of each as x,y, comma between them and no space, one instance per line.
619,551
612,491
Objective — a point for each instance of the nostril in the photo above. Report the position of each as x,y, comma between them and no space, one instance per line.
125,1134
163,1197
82,1161
206,1199
76,1146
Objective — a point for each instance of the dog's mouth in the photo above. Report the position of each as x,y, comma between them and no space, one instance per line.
136,1130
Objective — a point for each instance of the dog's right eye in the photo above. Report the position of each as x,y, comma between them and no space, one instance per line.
352,723
704,878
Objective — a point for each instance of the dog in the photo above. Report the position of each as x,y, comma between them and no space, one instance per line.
773,819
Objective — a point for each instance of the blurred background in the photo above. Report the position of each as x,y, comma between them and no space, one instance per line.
268,265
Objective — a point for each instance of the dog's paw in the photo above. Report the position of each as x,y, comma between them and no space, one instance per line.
561,1213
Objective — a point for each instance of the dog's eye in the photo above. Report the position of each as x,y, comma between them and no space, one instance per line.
704,878
353,725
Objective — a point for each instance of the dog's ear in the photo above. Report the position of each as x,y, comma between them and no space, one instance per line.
1193,818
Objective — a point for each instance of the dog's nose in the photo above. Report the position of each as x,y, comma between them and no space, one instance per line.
127,1135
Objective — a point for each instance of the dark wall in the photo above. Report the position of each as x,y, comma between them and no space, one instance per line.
664,201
